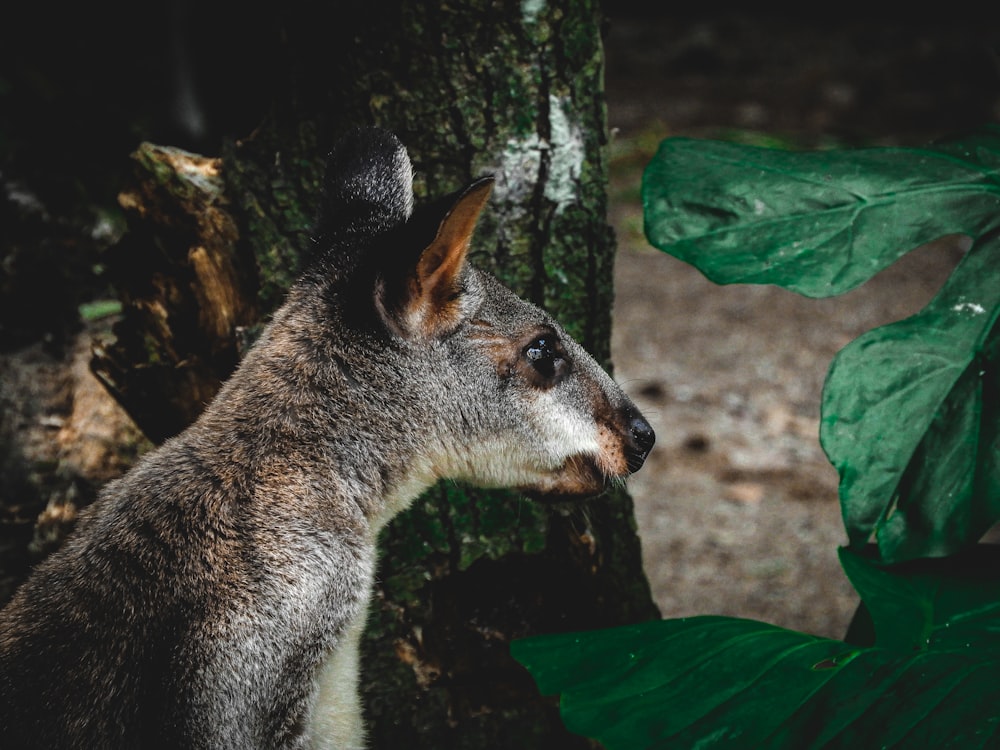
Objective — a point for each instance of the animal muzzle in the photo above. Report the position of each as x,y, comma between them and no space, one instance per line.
640,440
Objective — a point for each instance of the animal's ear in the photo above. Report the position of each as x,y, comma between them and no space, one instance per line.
431,296
368,187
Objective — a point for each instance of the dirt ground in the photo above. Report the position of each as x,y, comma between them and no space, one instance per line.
737,506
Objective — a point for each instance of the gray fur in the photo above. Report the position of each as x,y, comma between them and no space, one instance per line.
212,596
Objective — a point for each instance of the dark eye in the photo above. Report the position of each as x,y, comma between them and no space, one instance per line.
545,355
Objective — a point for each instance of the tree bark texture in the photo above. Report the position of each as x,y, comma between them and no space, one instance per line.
471,87
186,292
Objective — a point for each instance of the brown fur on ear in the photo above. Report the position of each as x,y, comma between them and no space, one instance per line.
432,305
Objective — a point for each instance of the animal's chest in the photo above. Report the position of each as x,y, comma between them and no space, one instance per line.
289,661
335,720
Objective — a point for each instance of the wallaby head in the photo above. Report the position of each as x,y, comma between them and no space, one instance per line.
484,386
214,596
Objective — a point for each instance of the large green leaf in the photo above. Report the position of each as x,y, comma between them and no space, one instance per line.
714,682
818,223
931,603
911,419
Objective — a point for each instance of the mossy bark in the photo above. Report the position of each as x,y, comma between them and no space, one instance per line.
471,87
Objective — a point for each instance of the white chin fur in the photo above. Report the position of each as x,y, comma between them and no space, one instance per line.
522,460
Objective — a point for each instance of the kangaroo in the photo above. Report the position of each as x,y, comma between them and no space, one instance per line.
214,596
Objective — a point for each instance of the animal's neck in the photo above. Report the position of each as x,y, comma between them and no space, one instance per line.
313,457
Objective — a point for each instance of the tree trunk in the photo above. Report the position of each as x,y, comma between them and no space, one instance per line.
471,87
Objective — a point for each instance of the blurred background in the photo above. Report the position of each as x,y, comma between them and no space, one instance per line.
737,508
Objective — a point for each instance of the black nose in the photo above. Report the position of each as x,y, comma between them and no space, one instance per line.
643,438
